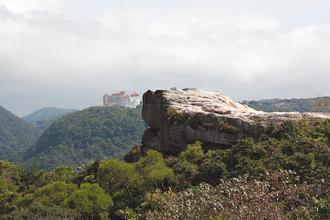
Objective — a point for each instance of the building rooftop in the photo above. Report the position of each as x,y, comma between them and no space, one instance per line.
135,94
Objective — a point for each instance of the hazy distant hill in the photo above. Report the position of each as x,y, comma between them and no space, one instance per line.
89,134
44,117
289,105
15,135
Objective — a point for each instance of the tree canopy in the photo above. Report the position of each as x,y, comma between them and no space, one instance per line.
90,134
284,173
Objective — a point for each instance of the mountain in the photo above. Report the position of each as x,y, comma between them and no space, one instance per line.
320,104
44,117
279,171
15,135
85,135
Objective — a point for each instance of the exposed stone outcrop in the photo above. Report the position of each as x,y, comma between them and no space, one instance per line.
179,117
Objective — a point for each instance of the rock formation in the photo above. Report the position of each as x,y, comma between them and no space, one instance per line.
179,117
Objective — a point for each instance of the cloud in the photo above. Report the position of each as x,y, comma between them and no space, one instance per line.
68,53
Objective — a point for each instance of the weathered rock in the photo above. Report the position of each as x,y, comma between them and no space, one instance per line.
179,117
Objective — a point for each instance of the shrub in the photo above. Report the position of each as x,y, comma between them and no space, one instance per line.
276,197
90,201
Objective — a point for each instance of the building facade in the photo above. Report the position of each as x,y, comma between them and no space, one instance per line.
123,100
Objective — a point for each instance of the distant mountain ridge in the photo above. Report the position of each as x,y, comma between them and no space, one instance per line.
291,105
16,135
73,137
92,133
44,117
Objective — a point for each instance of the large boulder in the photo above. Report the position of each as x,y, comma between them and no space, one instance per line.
180,117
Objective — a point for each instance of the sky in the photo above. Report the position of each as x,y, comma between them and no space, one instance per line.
68,53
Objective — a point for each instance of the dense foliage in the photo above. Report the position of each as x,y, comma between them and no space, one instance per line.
301,146
96,132
321,104
102,189
283,174
44,117
278,196
15,135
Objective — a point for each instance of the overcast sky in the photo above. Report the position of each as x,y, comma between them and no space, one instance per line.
68,53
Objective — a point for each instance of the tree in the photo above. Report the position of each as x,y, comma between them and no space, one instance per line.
31,178
122,182
7,197
114,175
321,105
63,173
90,201
53,194
134,154
154,170
9,175
187,164
213,167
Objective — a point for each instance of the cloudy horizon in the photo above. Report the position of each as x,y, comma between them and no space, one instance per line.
69,53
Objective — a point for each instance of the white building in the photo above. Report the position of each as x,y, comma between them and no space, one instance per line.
123,100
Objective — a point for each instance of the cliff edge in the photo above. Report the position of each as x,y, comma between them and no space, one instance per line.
180,117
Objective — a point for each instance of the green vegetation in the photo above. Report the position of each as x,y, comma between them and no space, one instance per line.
15,135
89,200
180,118
282,174
321,104
96,132
275,197
209,122
217,124
301,146
105,188
44,117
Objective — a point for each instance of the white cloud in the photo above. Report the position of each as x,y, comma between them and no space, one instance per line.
21,6
51,47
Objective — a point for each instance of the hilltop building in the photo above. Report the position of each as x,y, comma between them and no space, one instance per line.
123,100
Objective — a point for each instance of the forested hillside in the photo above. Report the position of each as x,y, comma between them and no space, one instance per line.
85,135
282,174
15,135
321,104
44,117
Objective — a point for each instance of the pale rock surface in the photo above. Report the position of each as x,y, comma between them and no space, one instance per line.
210,117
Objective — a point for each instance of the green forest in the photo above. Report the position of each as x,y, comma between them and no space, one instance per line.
319,104
71,138
92,133
44,117
16,135
283,173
